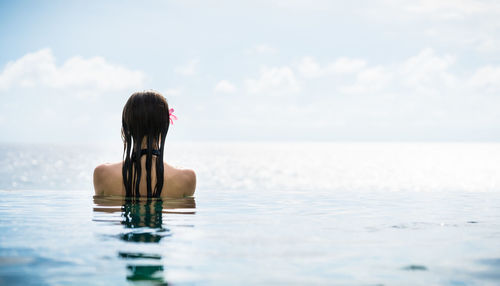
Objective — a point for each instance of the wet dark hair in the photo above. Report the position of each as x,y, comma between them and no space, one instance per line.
145,117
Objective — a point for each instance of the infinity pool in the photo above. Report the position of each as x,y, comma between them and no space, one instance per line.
411,216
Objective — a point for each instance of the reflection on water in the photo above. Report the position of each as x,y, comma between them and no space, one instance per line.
142,222
147,218
493,269
146,273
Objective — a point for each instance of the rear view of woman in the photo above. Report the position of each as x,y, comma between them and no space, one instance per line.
142,173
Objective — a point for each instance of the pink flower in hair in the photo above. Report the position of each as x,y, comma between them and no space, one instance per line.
171,116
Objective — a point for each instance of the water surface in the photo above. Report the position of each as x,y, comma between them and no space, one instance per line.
295,214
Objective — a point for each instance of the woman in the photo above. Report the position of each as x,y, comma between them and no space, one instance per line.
142,173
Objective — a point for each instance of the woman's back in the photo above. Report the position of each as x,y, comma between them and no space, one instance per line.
108,180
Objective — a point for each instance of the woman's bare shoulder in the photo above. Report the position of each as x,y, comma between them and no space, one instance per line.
105,177
184,180
107,168
189,181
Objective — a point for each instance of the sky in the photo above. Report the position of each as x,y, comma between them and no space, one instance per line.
296,70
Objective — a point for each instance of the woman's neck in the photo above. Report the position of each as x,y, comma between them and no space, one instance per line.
144,144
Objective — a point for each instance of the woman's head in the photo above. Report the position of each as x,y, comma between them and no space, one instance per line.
145,122
145,115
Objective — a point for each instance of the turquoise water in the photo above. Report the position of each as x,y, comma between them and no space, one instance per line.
264,213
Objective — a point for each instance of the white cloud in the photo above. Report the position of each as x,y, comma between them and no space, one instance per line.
425,72
487,44
189,69
224,86
486,78
309,68
273,81
427,68
39,69
369,80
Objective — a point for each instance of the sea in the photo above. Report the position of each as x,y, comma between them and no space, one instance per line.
264,213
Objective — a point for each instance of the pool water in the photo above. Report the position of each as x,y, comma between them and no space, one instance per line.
264,213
